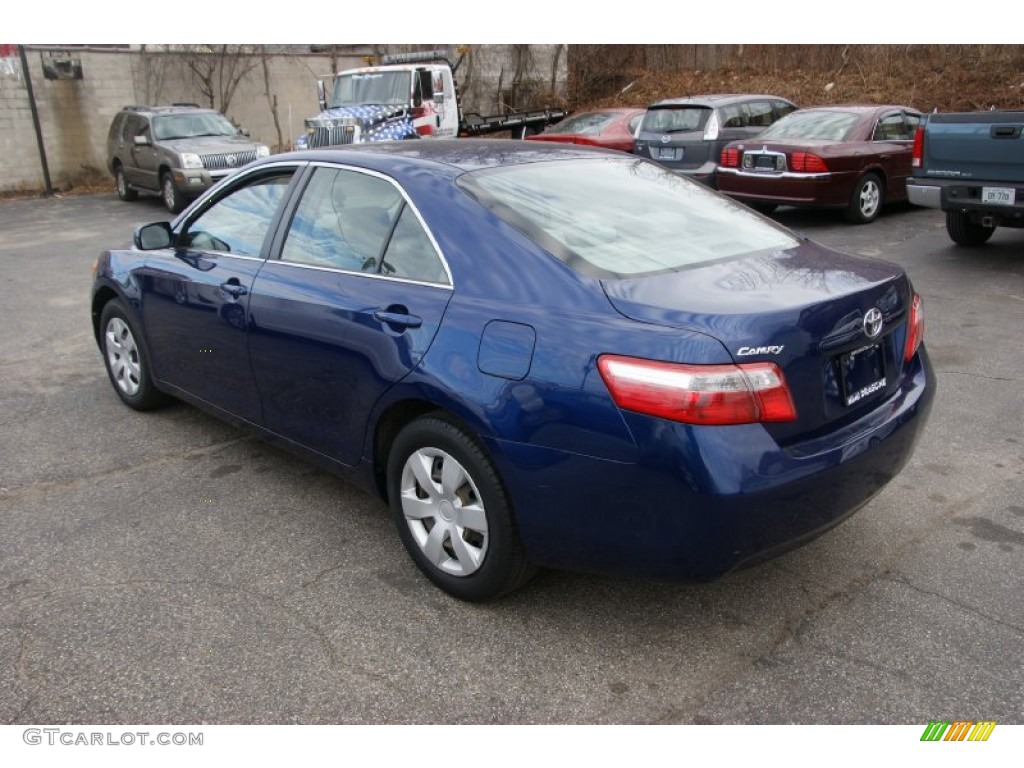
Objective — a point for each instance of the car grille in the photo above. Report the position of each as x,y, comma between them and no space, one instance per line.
227,160
326,136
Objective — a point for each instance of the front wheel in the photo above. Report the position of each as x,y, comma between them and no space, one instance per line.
169,192
452,512
126,359
963,231
866,200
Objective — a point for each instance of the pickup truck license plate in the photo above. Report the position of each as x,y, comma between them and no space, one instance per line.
998,195
862,373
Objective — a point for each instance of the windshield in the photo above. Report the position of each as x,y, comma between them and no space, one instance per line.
818,124
186,126
610,217
371,88
669,119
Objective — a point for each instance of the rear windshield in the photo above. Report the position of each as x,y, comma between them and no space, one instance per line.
611,217
823,125
671,119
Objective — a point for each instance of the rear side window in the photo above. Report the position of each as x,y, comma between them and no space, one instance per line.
732,116
675,118
613,217
759,114
360,223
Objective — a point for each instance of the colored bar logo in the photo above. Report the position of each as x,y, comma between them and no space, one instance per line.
958,730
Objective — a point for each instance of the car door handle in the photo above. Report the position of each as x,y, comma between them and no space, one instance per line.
398,319
234,289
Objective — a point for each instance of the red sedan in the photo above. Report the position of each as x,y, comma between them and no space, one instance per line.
851,157
608,128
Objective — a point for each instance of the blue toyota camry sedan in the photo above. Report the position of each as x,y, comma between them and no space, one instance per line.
537,355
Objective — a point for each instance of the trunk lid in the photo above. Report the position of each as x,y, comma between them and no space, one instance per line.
803,309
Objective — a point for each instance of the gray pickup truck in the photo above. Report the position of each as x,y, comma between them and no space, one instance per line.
971,165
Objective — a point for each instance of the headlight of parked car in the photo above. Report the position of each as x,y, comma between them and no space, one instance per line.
262,151
191,160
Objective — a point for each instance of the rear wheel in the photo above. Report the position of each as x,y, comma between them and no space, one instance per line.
124,191
866,200
170,194
963,231
765,208
452,512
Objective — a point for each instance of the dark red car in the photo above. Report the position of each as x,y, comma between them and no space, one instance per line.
608,128
851,157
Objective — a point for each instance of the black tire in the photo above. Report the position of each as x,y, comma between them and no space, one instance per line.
867,199
764,208
963,231
173,199
437,478
126,359
124,191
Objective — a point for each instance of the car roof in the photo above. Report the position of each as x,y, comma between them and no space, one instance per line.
458,155
143,109
857,108
716,99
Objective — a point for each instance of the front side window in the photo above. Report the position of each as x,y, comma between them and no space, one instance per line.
613,217
238,223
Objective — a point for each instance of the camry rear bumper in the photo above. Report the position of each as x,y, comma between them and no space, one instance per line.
703,501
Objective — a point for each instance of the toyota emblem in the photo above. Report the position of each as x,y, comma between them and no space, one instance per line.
231,160
873,322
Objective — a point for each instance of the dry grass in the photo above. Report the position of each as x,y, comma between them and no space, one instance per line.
943,78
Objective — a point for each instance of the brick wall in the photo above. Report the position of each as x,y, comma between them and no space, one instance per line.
75,115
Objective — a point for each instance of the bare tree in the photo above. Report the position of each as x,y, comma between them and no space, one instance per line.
218,69
271,98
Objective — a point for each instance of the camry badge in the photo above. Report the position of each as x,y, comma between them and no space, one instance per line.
872,322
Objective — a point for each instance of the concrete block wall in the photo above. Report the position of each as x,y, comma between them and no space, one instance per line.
75,115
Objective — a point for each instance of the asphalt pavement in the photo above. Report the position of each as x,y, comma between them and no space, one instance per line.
167,568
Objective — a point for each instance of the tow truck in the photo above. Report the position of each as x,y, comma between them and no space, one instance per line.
407,96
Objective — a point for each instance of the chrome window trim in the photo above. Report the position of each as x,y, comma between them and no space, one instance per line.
354,273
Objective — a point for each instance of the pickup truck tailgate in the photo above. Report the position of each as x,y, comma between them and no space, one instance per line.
986,146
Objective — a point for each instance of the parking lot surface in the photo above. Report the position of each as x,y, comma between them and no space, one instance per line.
167,568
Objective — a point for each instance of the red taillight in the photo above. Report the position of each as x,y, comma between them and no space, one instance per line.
698,394
730,158
805,162
917,155
915,329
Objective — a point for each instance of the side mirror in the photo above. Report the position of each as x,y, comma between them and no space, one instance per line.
321,94
141,140
151,237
